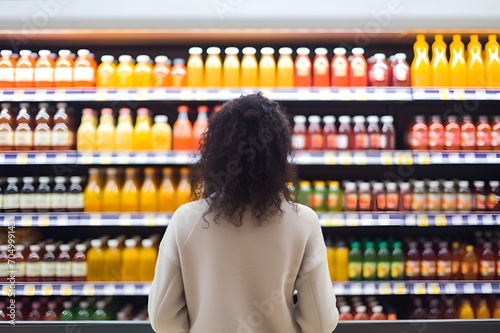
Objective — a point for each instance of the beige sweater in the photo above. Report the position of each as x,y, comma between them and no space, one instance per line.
224,279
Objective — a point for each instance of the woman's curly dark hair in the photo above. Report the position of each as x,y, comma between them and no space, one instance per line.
244,160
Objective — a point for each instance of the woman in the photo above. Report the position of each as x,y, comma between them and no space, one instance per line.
230,261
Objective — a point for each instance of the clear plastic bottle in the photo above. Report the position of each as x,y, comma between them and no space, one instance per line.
360,133
23,134
27,197
48,271
428,262
315,138
479,196
195,68
79,264
418,197
434,197
33,264
75,195
464,197
330,133
43,201
42,135
59,197
374,133
344,135
350,197
63,263
449,202
299,133
11,196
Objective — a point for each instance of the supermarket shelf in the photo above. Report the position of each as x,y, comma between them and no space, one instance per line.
77,289
432,94
123,158
38,158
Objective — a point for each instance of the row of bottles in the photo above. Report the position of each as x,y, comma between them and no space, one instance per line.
473,67
454,135
446,307
414,195
120,191
355,308
41,194
371,132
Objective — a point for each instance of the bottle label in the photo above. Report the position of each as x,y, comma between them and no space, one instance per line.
397,269
449,202
381,201
383,141
27,201
331,141
369,270
392,201
358,67
320,67
351,201
42,138
436,139
303,67
452,139
418,139
6,138
483,139
468,268
24,74
60,138
33,269
332,200
433,201
11,201
407,201
464,202
63,269
317,141
299,141
455,267
444,268
75,200
4,269
428,268
468,139
63,74
375,141
492,201
412,268
354,270
43,201
383,269
378,73
342,141
20,269
487,268
85,74
23,138
418,202
495,139
48,269
361,141
45,74
317,199
365,201
59,201
340,67
480,201
6,74
79,269
400,73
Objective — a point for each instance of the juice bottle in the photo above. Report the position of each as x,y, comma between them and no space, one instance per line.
147,262
467,134
419,134
493,199
43,199
464,197
267,68
469,266
249,68
83,312
143,72
487,262
299,133
379,74
59,196
379,197
428,262
62,137
125,72
48,266
167,192
106,73
435,309
341,262
112,262
111,192
373,131
318,202
42,135
285,68
183,189
492,62
84,71
496,310
457,65
465,311
383,262
50,314
340,68
86,135
183,131
482,311
421,66
388,133
4,264
334,197
148,199
444,262
100,312
129,194
412,265
400,71
195,68
63,72
79,264
330,257
361,313
92,194
95,262
6,132
35,315
475,65
315,138
439,63
361,138
434,197
66,314
200,126
303,66
345,313
24,71
479,196
63,263
23,134
321,68
436,134
358,74
162,76
7,69
33,264
397,262
483,134
450,312
27,197
495,133
231,67
364,197
449,202
305,194
11,197
378,313
329,133
130,259
143,139
179,73
106,131
213,68
124,131
452,134
392,197
456,261
161,133
350,197
370,262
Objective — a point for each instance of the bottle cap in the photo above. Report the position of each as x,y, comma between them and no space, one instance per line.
299,119
314,119
143,58
80,247
202,109
64,53
303,51
161,119
329,119
25,53
124,111
213,50
44,53
12,180
358,51
479,183
111,171
83,52
60,179
27,180
321,51
249,50
64,247
6,53
387,119
391,186
231,50
378,186
44,180
130,243
345,309
339,51
372,119
107,58
377,309
147,242
34,248
359,119
142,111
92,171
463,183
344,119
95,243
379,56
195,50
267,50
84,304
161,59
434,183
182,108
361,309
285,50
400,56
50,247
494,183
125,58
179,61
112,243
333,183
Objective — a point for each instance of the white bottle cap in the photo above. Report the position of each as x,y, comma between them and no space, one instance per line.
364,186
27,180
303,51
213,50
285,50
113,243
249,50
147,242
12,180
25,53
64,53
321,51
400,56
494,183
60,179
50,247
80,247
44,53
143,58
339,51
107,58
93,171
372,119
20,248
95,243
377,309
359,119
299,119
130,243
463,183
195,50
161,59
361,309
6,53
358,51
161,119
345,309
378,186
314,119
387,119
44,180
479,183
449,184
379,56
125,58
34,248
267,50
64,247
344,119
391,186
434,183
75,179
231,50
329,119
83,52
111,171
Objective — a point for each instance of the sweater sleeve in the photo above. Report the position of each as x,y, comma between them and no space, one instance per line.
167,303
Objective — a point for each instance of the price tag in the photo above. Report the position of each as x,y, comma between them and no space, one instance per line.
450,288
66,289
140,158
410,220
360,158
19,96
379,94
88,290
436,158
469,288
105,158
109,289
26,220
369,289
95,219
5,290
352,220
47,290
486,288
490,158
339,289
142,94
160,158
400,289
22,159
181,158
472,220
62,220
186,95
43,220
385,289
488,219
150,220
361,94
29,290
444,94
326,222
344,94
433,289
345,158
481,94
386,158
125,219
454,158
459,94
330,158
440,220
86,158
457,220
356,289
129,289
424,158
470,158
40,158
423,221
61,159
338,220
101,95
419,289
2,159
123,158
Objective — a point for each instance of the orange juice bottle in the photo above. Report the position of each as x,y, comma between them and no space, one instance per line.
339,68
148,199
84,71
112,262
492,62
161,134
321,68
195,75
129,194
358,73
24,72
162,76
106,130
143,72
200,125
421,67
63,72
125,72
168,202
231,67
130,259
465,311
93,194
95,262
86,135
124,131
482,310
111,192
106,73
303,68
183,131
147,261
457,65
475,65
496,310
142,131
285,68
183,189
267,68
7,69
213,68
179,73
249,68
439,63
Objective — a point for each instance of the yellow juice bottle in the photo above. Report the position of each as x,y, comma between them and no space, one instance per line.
439,63
231,70
147,261
331,250
267,68
168,202
161,134
195,70
106,72
421,67
106,131
148,197
213,68
457,65
475,64
341,262
129,194
465,311
143,72
492,62
142,132
86,135
130,260
92,196
125,72
285,68
249,68
112,262
482,311
95,262
184,188
111,192
124,131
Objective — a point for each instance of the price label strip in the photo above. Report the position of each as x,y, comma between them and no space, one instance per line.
43,220
419,289
433,289
22,159
440,220
29,290
88,290
385,289
400,289
66,289
47,290
423,220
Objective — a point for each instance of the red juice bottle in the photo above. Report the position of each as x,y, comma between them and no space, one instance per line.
487,262
373,132
495,133
392,201
428,263
361,313
493,198
364,197
50,314
379,202
378,313
358,75
49,263
400,71
452,134
350,197
340,68
360,133
436,134
405,197
330,133
321,68
419,134
345,313
444,262
35,315
412,265
344,135
483,134
299,133
20,264
379,73
451,311
467,134
388,133
479,196
315,138
303,76
33,264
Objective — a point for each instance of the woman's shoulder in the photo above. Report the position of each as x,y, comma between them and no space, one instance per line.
302,212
